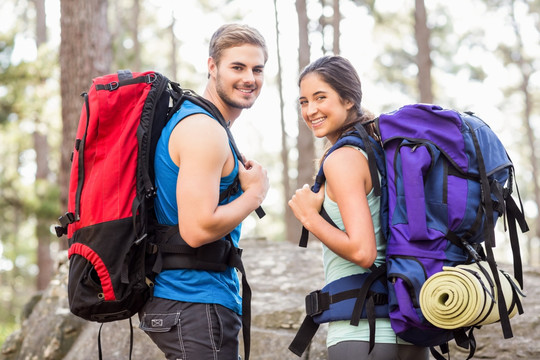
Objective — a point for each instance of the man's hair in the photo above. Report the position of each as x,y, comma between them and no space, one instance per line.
232,35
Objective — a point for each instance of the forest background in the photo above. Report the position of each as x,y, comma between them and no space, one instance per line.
477,55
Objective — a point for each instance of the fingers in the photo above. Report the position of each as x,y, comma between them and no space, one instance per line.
254,178
249,164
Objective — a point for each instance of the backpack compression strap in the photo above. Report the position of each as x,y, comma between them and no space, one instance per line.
490,237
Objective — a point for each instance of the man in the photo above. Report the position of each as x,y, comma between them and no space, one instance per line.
196,314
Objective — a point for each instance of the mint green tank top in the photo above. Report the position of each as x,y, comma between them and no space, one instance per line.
335,267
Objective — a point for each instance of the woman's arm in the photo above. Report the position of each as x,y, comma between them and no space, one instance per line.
348,182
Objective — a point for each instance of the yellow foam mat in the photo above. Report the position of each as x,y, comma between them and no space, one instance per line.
462,296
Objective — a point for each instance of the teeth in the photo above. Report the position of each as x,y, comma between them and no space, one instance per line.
247,91
317,121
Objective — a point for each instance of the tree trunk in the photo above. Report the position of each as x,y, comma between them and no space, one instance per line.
41,147
85,53
323,22
43,234
135,35
41,27
305,143
423,57
291,224
174,61
336,20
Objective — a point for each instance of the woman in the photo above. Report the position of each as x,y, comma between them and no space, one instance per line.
330,99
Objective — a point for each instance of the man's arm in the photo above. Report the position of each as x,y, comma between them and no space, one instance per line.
199,145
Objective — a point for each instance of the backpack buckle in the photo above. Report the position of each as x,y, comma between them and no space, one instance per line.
60,231
378,298
150,78
112,85
315,302
66,219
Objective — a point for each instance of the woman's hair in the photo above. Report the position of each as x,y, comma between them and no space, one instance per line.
341,76
232,35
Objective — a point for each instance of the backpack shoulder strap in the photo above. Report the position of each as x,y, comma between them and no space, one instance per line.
376,161
362,140
214,111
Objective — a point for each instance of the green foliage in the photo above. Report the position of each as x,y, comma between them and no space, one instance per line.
7,329
7,42
44,204
29,103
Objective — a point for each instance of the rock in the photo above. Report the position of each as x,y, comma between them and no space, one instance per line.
280,274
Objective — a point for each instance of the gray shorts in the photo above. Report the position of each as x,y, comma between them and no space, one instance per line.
358,350
191,331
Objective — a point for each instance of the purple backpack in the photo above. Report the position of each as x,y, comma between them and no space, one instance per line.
449,180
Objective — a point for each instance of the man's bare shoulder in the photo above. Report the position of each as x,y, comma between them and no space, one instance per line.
200,126
198,133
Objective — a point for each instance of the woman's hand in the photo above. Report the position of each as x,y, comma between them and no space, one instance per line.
306,205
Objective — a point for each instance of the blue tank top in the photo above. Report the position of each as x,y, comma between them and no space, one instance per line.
197,286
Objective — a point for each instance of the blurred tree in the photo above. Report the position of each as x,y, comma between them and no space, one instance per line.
43,173
332,24
423,55
305,142
173,72
29,186
291,225
135,20
336,21
403,52
515,55
28,193
124,34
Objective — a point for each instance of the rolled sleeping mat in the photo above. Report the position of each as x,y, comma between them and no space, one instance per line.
465,295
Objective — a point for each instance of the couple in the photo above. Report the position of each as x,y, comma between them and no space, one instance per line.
196,314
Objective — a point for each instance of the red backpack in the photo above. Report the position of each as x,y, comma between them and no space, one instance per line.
107,205
116,246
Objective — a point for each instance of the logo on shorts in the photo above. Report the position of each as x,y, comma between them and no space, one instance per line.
157,322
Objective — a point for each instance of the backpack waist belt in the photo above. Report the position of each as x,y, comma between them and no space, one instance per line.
324,307
172,252
354,297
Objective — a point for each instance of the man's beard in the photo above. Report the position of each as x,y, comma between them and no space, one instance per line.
222,93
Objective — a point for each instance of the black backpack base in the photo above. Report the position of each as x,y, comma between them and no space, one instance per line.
90,291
